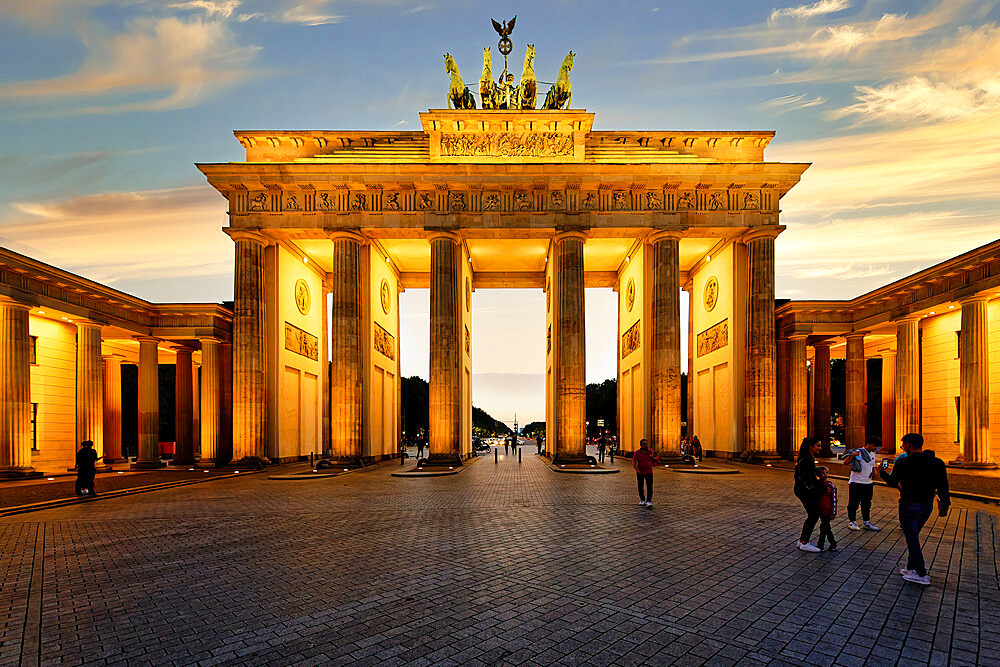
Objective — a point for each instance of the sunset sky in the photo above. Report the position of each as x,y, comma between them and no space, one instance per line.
106,104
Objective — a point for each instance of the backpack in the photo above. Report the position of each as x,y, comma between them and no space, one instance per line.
856,462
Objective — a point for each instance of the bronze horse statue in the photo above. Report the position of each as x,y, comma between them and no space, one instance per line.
488,95
560,93
459,95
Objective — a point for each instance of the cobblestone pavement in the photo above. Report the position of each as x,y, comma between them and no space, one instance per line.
501,564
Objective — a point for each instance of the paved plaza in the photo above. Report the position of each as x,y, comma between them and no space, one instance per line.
501,564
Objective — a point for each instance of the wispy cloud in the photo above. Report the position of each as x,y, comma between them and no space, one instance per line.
167,63
222,9
803,12
121,236
793,102
310,12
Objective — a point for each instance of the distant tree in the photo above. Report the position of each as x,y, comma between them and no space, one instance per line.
414,402
486,426
530,430
602,403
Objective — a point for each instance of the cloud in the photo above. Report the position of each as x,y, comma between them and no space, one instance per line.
310,12
126,236
804,12
793,102
222,9
919,98
845,272
169,63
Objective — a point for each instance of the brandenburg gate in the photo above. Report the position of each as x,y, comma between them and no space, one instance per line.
496,198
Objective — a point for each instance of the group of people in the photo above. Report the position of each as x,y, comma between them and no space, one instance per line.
606,445
918,475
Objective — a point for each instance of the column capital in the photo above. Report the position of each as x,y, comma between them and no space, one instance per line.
112,357
345,235
9,302
148,339
975,298
665,235
798,336
247,235
856,334
756,233
181,349
887,353
822,343
569,234
908,318
84,322
208,339
444,235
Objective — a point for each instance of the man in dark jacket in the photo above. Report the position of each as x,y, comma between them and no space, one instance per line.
919,477
86,469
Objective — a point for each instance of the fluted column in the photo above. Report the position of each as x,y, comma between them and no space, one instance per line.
195,411
821,395
249,396
690,372
784,396
324,374
907,376
856,417
346,383
664,317
149,404
113,409
760,387
224,447
798,413
569,344
89,390
974,384
888,401
183,408
15,395
445,348
211,401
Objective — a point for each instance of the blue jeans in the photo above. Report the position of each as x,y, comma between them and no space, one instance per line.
912,517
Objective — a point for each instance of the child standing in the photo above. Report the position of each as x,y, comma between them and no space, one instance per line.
827,507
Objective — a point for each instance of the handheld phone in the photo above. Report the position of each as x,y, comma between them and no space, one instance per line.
885,464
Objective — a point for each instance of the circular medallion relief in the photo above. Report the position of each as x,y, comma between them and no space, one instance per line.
630,295
711,296
468,295
385,292
302,299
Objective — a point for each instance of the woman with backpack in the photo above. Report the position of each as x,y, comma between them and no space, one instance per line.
808,489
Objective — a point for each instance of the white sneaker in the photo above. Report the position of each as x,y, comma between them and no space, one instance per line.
871,526
903,571
642,503
853,526
806,546
649,503
915,578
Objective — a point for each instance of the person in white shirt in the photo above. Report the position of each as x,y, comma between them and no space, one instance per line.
862,484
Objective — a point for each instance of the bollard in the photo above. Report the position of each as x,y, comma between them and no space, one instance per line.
495,455
518,456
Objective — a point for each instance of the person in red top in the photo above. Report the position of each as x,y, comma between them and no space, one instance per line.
643,461
827,507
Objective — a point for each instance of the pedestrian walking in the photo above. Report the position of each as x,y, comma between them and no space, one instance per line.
862,483
827,504
643,460
86,469
919,476
808,490
695,449
612,448
506,445
602,446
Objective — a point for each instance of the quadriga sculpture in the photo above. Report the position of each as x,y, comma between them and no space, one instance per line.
459,95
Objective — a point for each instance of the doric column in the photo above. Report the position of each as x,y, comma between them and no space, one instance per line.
798,415
821,395
211,401
113,409
346,383
856,417
974,384
445,348
664,317
249,397
760,387
783,379
224,448
691,372
569,346
324,374
195,411
907,376
89,390
149,404
15,394
183,408
888,401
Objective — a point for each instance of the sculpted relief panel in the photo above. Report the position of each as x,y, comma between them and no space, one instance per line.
714,338
507,144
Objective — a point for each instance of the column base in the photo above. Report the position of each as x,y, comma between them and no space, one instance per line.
577,459
114,459
206,463
250,462
181,462
979,465
441,460
19,473
147,465
772,457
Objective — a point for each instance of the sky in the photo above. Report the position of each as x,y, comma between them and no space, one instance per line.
105,106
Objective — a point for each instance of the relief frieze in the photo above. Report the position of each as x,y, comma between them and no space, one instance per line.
714,338
301,342
507,144
631,339
385,343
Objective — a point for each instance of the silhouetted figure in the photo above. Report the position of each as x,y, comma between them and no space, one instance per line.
86,469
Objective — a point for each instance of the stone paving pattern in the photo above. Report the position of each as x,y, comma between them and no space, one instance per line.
503,564
13,494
